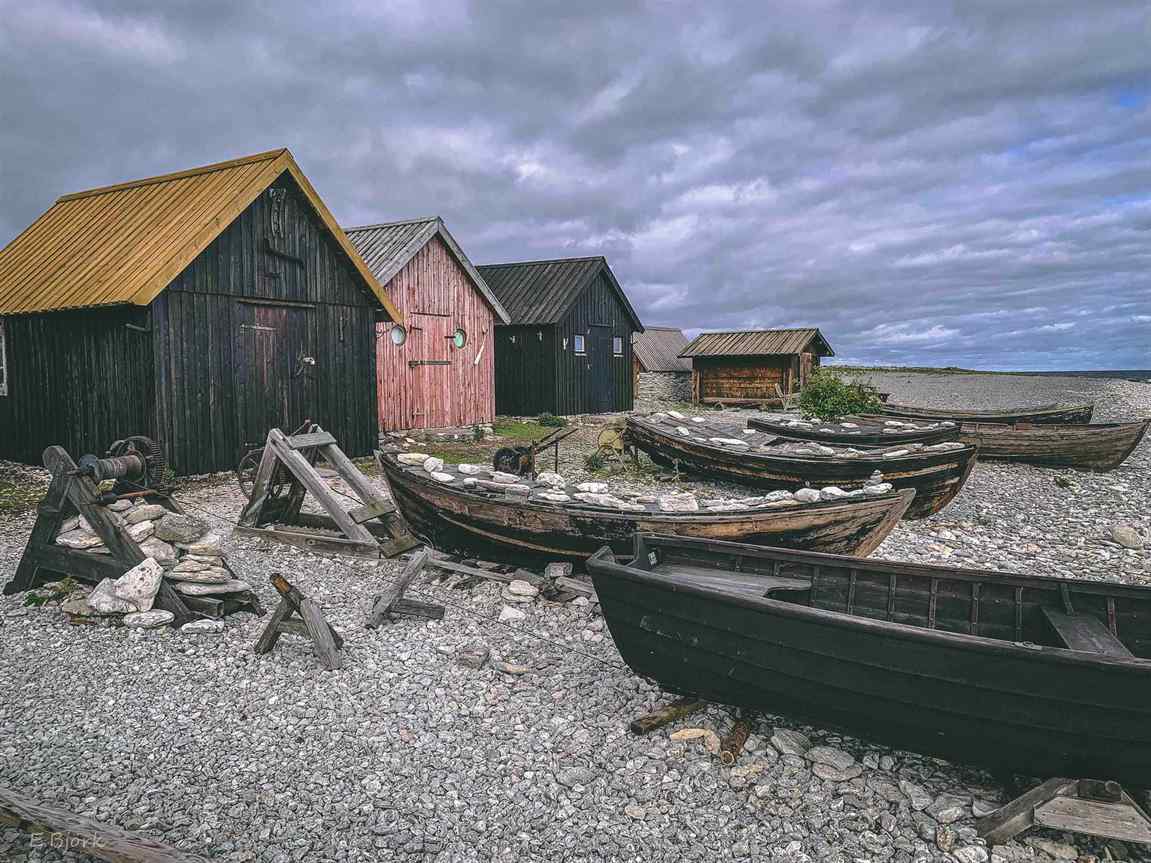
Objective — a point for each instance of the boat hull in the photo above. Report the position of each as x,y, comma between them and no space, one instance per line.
873,436
1101,446
1003,705
936,477
530,533
1046,415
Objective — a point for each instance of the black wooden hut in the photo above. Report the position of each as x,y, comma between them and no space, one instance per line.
568,347
199,308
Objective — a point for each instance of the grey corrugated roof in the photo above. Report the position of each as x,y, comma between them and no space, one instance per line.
757,343
387,248
657,349
541,292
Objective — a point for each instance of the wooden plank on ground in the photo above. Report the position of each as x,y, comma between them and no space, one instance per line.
1011,819
1109,820
383,606
86,835
573,585
367,512
452,566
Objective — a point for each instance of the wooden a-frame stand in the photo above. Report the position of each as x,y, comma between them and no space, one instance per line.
73,494
274,515
311,624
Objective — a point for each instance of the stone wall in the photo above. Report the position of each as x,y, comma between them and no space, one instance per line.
663,387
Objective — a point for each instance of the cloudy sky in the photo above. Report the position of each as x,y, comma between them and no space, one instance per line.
963,183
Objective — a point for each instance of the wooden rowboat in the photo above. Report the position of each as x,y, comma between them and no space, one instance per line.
1039,676
1047,414
1097,446
936,475
468,522
858,431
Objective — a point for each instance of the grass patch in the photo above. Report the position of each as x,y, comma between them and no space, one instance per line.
456,453
520,430
19,497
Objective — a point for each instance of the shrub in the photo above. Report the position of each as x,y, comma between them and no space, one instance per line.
829,397
551,420
594,461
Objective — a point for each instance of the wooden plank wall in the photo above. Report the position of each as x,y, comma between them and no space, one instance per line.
435,297
79,379
525,370
598,305
201,354
733,378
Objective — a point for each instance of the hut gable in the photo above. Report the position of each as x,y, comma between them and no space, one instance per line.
124,244
657,349
435,368
204,308
746,367
568,349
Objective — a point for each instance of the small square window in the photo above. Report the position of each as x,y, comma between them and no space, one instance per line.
617,346
578,345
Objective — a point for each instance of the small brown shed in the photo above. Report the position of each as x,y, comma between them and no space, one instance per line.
744,367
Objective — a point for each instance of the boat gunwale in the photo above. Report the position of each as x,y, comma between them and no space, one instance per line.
842,620
895,409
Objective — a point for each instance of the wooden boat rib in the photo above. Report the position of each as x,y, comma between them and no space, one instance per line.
475,523
1040,676
1046,414
861,432
936,476
1097,446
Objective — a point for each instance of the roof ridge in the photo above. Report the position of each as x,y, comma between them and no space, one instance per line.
393,224
266,156
742,332
655,327
547,261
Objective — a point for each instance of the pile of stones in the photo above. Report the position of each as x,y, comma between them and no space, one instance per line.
891,427
177,546
552,488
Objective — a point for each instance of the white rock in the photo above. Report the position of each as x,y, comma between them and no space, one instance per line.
946,445
892,423
553,496
209,544
141,530
470,482
179,527
103,599
729,441
79,539
138,585
806,495
509,614
206,626
1127,536
500,487
69,525
145,512
501,476
896,453
776,496
878,489
432,464
120,505
547,477
850,425
232,586
676,415
683,430
412,457
440,476
609,501
161,551
208,575
471,469
593,487
148,619
831,492
685,502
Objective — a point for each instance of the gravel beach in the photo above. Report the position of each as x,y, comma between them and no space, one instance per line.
409,754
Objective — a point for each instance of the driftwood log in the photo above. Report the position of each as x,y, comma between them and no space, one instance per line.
53,827
731,745
678,709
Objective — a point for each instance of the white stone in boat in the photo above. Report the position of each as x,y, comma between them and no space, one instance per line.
878,489
685,502
470,469
553,496
548,477
806,495
501,476
433,464
413,458
440,476
593,487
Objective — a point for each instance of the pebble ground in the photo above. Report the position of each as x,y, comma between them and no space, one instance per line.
406,754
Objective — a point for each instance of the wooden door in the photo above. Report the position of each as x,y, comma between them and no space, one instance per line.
276,370
432,370
600,360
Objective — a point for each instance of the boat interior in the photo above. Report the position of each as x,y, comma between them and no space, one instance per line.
1108,619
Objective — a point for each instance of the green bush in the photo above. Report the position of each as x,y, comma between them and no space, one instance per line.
594,461
828,396
551,421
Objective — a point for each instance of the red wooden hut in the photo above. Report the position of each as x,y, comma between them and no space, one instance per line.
436,367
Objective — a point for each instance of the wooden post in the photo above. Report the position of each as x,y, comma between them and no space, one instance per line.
325,640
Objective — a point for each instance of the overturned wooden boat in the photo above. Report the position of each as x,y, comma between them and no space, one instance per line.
485,521
859,431
1047,414
1039,676
1095,446
936,472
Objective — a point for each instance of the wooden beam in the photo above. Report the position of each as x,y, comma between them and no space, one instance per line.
382,607
1008,821
303,441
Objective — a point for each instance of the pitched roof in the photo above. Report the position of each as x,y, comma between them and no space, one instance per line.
657,349
757,343
386,249
125,243
541,292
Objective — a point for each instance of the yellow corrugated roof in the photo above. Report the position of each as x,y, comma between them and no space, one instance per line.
125,243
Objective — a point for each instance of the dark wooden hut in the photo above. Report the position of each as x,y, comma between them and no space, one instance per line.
199,308
436,367
745,367
568,347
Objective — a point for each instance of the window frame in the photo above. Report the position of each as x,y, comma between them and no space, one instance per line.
617,340
579,344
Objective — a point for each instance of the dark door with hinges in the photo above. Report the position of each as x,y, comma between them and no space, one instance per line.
276,370
600,360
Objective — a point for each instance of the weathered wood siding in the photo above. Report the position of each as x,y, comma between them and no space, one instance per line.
599,381
79,379
235,331
525,370
435,297
741,378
